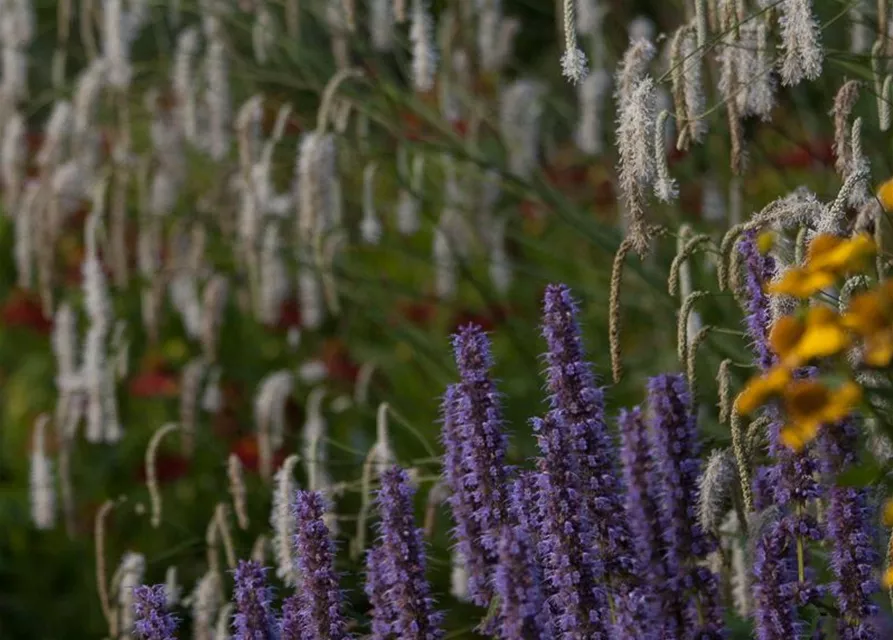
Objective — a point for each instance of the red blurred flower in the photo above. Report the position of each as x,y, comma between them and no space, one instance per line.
23,309
417,312
170,466
567,177
246,450
806,155
154,383
289,315
338,362
487,319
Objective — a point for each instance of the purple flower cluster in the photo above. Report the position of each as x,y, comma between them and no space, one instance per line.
774,571
401,600
577,406
254,619
152,621
759,269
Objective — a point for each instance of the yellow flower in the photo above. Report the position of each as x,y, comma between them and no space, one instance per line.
885,195
888,513
760,388
802,282
797,341
838,255
808,404
888,578
870,315
765,242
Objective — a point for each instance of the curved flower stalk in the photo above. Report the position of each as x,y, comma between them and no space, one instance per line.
400,594
269,417
282,521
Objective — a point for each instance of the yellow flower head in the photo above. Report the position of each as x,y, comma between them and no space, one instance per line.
870,315
765,242
797,341
808,404
888,578
888,513
885,195
801,282
838,255
760,388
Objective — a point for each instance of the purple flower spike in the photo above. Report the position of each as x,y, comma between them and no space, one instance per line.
402,602
319,600
517,578
774,570
480,425
254,619
463,502
578,406
690,592
759,270
152,621
572,570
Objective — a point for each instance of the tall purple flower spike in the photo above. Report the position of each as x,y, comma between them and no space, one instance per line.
400,594
690,593
152,620
480,424
254,619
759,270
774,570
463,503
522,606
572,570
852,531
316,611
578,407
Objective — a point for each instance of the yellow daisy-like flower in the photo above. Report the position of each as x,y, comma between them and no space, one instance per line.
838,255
801,282
885,195
760,388
888,578
870,315
819,335
888,513
808,404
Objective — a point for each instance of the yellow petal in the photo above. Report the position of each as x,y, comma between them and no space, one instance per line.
888,578
802,283
879,349
797,436
819,341
885,195
888,513
761,388
821,245
846,256
785,334
843,400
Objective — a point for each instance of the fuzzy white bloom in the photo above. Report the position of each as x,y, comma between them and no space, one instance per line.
222,631
665,187
282,522
381,24
713,207
212,396
317,185
635,139
130,576
42,483
206,601
520,108
310,298
269,416
88,89
693,89
214,297
459,578
641,28
754,69
217,98
313,445
500,267
15,73
115,45
312,372
13,157
17,23
183,81
861,33
183,292
424,54
592,94
274,285
574,65
800,41
632,68
173,591
263,34
370,225
408,202
590,16
445,264
55,135
27,213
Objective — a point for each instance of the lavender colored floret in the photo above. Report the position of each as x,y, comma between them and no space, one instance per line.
759,269
463,503
572,570
774,570
402,602
152,620
578,406
319,616
518,580
254,619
